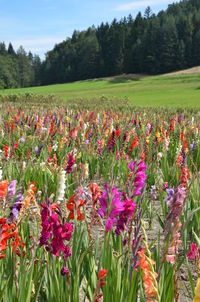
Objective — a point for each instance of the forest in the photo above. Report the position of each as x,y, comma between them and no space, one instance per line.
146,44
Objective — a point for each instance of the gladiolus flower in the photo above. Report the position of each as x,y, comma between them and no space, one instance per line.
194,252
102,273
64,271
147,277
3,188
96,193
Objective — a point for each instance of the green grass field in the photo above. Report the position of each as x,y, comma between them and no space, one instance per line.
170,90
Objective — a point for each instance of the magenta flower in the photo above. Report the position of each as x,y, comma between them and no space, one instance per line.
194,252
139,177
70,164
45,234
110,211
116,205
64,271
109,223
104,201
119,212
59,232
125,215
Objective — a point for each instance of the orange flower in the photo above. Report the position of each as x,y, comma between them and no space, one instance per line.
3,188
29,196
96,193
147,278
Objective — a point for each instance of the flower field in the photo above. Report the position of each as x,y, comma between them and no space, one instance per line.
98,202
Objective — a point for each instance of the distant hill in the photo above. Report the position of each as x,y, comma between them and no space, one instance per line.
193,70
148,44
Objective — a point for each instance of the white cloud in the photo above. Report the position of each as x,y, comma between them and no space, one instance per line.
42,41
37,45
140,4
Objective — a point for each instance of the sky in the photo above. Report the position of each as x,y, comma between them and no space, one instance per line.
39,24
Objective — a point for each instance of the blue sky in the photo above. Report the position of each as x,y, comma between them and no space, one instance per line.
39,24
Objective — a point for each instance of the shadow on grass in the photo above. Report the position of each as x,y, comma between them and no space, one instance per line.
125,78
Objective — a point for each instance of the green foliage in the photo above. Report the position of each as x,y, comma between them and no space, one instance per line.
178,91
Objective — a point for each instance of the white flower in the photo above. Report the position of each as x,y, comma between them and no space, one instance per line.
23,165
61,186
1,173
42,164
55,146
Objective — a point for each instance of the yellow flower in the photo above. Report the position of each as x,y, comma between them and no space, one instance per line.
197,292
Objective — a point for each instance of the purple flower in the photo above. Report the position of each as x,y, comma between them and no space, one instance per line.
175,208
170,196
11,189
39,151
15,213
153,193
22,140
193,147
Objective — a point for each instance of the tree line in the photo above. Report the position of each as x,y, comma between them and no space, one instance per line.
147,44
18,69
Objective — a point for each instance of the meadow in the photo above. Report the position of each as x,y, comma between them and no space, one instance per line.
179,90
99,201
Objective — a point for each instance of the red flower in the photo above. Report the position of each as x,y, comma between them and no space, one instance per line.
102,273
133,144
72,206
12,128
118,132
6,150
52,127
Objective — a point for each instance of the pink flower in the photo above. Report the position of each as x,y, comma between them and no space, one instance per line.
170,259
